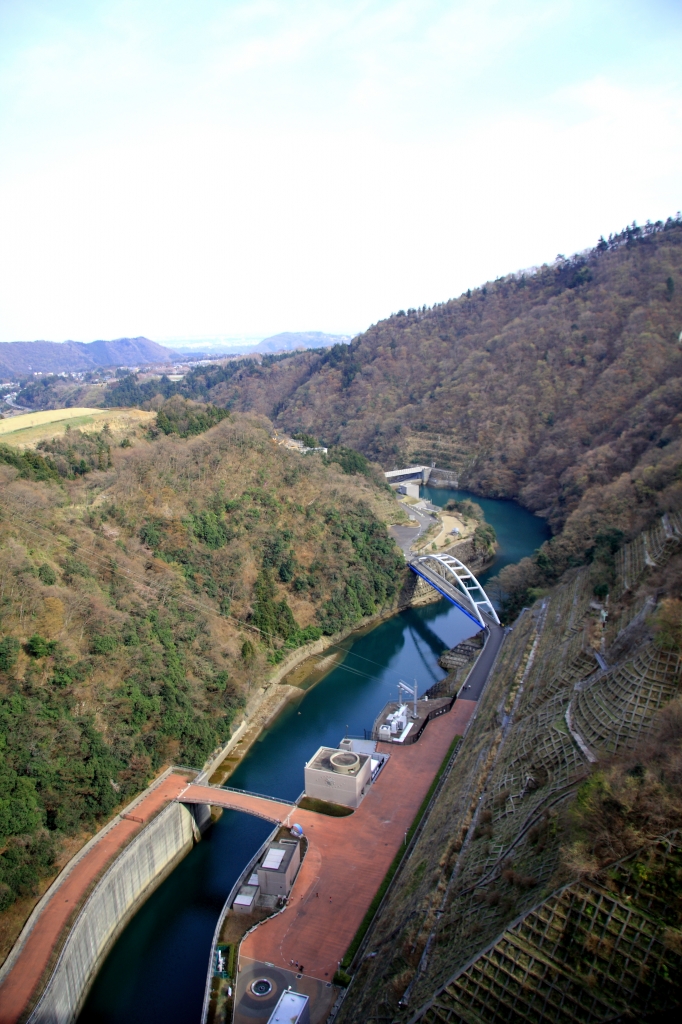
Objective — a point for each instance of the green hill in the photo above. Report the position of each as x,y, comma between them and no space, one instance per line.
560,387
148,587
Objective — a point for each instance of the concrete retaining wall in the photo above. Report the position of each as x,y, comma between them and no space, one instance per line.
443,478
134,875
465,550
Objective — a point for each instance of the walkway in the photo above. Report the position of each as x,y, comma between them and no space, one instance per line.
37,952
272,810
478,676
348,858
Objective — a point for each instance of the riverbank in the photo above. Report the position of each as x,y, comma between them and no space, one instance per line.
285,683
347,861
103,847
157,970
29,965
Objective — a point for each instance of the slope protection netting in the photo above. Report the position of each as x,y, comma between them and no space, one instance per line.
613,711
651,548
589,952
564,655
618,623
537,762
514,852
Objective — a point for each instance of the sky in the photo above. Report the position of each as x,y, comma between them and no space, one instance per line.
193,169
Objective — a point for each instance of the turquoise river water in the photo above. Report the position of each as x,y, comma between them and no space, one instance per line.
156,972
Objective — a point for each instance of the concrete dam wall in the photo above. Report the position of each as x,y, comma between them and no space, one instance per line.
130,880
447,478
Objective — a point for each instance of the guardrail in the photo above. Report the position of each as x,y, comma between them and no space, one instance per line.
412,737
230,899
223,913
247,792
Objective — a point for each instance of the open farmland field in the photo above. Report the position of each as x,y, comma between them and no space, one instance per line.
26,430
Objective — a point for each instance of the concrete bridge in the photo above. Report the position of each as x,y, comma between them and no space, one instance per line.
453,580
418,474
276,811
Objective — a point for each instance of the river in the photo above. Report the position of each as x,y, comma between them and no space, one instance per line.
157,969
519,532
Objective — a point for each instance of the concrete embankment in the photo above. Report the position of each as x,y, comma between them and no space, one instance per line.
139,869
446,478
476,560
155,851
274,694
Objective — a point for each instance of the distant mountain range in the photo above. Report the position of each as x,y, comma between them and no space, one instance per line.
20,357
288,341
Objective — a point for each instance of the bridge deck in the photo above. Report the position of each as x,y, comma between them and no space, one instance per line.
273,810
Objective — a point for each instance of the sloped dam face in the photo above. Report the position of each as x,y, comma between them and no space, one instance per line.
157,969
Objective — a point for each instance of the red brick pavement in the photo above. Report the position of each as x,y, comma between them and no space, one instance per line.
273,810
30,965
347,860
348,857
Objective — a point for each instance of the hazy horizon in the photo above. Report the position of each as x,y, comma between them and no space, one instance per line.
222,169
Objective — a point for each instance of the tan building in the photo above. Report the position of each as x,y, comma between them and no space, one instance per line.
278,868
246,899
340,776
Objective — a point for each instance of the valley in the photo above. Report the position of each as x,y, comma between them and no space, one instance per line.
176,585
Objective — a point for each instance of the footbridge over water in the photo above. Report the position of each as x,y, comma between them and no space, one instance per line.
266,807
453,580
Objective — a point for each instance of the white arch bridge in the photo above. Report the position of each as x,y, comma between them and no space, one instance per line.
453,580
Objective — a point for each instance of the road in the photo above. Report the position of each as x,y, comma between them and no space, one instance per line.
405,536
478,676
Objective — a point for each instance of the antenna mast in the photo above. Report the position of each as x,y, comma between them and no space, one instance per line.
411,691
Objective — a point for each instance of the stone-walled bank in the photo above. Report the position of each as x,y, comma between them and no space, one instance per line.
130,880
158,848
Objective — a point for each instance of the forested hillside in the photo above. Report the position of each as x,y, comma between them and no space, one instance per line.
546,884
560,387
147,584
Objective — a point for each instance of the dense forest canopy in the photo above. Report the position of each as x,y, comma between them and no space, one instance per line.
560,387
146,584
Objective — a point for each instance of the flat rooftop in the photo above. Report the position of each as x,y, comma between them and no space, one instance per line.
346,762
289,1008
278,856
346,862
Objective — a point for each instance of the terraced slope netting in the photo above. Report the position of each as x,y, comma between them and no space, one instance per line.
591,951
612,711
512,853
650,549
567,690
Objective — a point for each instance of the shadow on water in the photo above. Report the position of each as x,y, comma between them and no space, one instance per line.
157,969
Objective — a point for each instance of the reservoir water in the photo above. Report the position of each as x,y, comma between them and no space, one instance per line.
519,532
157,969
